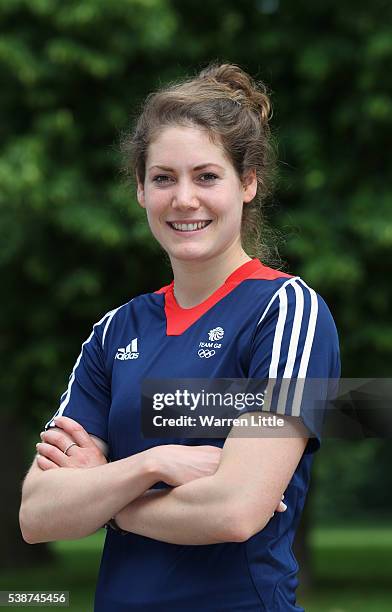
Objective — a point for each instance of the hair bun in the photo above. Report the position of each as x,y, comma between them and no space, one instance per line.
241,87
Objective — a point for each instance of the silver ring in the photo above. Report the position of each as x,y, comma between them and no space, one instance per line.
68,447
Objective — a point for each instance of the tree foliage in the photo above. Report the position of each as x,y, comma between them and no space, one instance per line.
74,241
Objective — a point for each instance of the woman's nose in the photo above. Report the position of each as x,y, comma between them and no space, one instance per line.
185,198
191,204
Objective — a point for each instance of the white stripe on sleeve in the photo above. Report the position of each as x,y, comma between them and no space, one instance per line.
293,348
66,396
303,367
276,347
292,353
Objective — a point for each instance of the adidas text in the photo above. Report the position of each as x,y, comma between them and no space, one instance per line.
129,352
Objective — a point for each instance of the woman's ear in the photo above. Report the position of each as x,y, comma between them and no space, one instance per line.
140,193
249,186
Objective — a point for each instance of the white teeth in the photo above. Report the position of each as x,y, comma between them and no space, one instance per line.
189,227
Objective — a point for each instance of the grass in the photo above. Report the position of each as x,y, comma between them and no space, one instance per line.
353,570
75,571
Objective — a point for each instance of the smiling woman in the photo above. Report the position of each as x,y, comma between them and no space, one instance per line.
229,110
197,520
192,218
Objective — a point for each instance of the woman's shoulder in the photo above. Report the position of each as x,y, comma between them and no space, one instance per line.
278,296
280,283
137,306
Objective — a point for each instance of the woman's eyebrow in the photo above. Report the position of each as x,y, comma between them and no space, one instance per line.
200,167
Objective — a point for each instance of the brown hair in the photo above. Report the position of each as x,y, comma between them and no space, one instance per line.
235,111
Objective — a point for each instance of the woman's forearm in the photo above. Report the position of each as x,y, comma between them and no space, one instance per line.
199,512
70,503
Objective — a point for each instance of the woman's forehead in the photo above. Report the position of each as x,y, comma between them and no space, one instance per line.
175,145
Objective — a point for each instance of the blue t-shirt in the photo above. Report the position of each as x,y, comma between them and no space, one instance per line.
273,326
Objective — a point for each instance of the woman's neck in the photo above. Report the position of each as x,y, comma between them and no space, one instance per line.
195,281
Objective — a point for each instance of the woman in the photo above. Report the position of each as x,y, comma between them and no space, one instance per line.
202,157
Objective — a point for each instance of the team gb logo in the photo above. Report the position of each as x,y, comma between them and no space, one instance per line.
216,334
207,349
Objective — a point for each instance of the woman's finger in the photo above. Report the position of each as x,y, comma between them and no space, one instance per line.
45,464
282,507
56,437
75,430
52,453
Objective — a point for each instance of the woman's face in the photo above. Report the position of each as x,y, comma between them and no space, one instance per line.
192,195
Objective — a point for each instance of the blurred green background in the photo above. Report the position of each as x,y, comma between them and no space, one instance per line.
74,243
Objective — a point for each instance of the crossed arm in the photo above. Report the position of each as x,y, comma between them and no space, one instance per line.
230,505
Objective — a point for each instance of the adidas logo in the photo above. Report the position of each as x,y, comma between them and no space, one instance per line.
129,352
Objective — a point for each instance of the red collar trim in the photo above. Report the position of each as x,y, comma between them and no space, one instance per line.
178,319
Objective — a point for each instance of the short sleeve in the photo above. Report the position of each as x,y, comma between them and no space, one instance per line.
87,398
296,347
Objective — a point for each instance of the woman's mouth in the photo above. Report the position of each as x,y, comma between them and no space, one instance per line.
196,226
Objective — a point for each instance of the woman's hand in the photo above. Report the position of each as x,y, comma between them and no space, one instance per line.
85,453
178,464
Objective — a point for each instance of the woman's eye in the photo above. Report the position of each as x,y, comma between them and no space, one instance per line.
160,176
210,175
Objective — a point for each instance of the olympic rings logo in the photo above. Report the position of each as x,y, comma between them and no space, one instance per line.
206,353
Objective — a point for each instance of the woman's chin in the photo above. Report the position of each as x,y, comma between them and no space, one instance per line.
190,253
